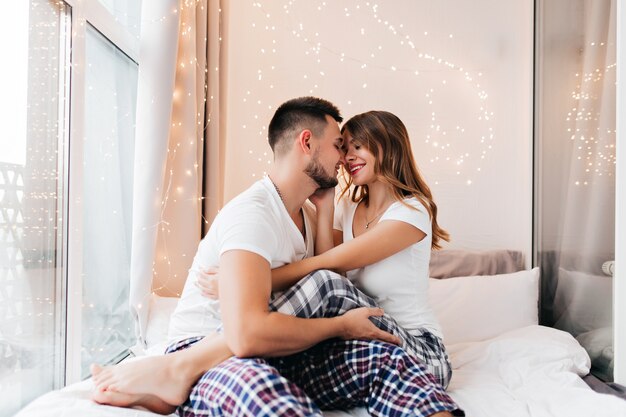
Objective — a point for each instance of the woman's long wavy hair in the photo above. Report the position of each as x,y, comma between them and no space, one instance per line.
386,137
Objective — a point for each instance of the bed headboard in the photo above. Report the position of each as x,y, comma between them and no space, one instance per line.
449,263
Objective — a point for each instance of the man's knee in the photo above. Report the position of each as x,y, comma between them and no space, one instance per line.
220,389
237,375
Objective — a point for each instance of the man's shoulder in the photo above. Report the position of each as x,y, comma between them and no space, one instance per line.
255,194
256,201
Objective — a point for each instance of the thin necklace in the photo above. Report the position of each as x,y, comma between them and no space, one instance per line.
277,190
367,222
303,230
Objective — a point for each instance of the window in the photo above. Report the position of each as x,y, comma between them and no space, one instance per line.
125,12
31,155
65,191
108,151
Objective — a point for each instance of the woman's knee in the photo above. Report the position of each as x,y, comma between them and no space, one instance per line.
325,278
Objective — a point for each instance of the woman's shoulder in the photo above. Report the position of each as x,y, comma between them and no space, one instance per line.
410,203
406,209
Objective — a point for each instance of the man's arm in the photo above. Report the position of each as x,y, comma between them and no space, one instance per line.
252,330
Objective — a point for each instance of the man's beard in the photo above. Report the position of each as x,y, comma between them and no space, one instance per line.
316,172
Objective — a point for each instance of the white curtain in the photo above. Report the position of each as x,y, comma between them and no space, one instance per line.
169,148
588,226
578,210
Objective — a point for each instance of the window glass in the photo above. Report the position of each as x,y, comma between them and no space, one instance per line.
110,99
126,12
31,334
575,171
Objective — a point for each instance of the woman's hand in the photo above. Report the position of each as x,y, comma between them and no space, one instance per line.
208,283
357,325
323,200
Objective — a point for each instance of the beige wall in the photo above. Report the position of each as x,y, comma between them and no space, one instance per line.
459,74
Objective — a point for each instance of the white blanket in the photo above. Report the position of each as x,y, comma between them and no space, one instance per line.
528,372
533,371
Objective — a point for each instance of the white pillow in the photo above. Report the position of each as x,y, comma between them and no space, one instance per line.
475,308
161,309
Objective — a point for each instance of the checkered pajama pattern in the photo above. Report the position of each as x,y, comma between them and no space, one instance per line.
332,375
327,294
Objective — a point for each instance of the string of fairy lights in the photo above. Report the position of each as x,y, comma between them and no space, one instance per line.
183,133
594,145
366,19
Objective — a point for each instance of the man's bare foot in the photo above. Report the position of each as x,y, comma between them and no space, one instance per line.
155,375
118,399
169,378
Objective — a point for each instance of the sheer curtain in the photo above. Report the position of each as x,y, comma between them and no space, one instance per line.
578,172
169,148
215,137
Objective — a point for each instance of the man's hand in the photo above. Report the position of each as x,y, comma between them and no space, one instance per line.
251,330
357,325
208,282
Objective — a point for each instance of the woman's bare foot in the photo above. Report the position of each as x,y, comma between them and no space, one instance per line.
118,399
154,375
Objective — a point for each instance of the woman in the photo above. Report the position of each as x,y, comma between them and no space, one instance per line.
388,227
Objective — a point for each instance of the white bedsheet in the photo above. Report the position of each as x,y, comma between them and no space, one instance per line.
529,372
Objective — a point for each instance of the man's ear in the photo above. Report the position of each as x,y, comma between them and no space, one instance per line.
304,141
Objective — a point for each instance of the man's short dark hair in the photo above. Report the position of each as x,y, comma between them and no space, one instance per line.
298,114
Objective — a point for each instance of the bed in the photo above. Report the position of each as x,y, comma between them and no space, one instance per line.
503,362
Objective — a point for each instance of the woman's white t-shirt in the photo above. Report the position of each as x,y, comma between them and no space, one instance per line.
398,283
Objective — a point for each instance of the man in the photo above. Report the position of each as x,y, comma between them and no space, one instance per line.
267,226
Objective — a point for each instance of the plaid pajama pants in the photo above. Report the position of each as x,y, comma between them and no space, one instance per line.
335,374
327,294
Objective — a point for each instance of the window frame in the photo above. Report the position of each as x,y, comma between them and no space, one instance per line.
84,13
619,287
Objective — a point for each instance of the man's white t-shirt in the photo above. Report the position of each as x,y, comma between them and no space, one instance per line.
398,283
255,221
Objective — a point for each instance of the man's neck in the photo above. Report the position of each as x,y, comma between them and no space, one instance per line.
294,189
